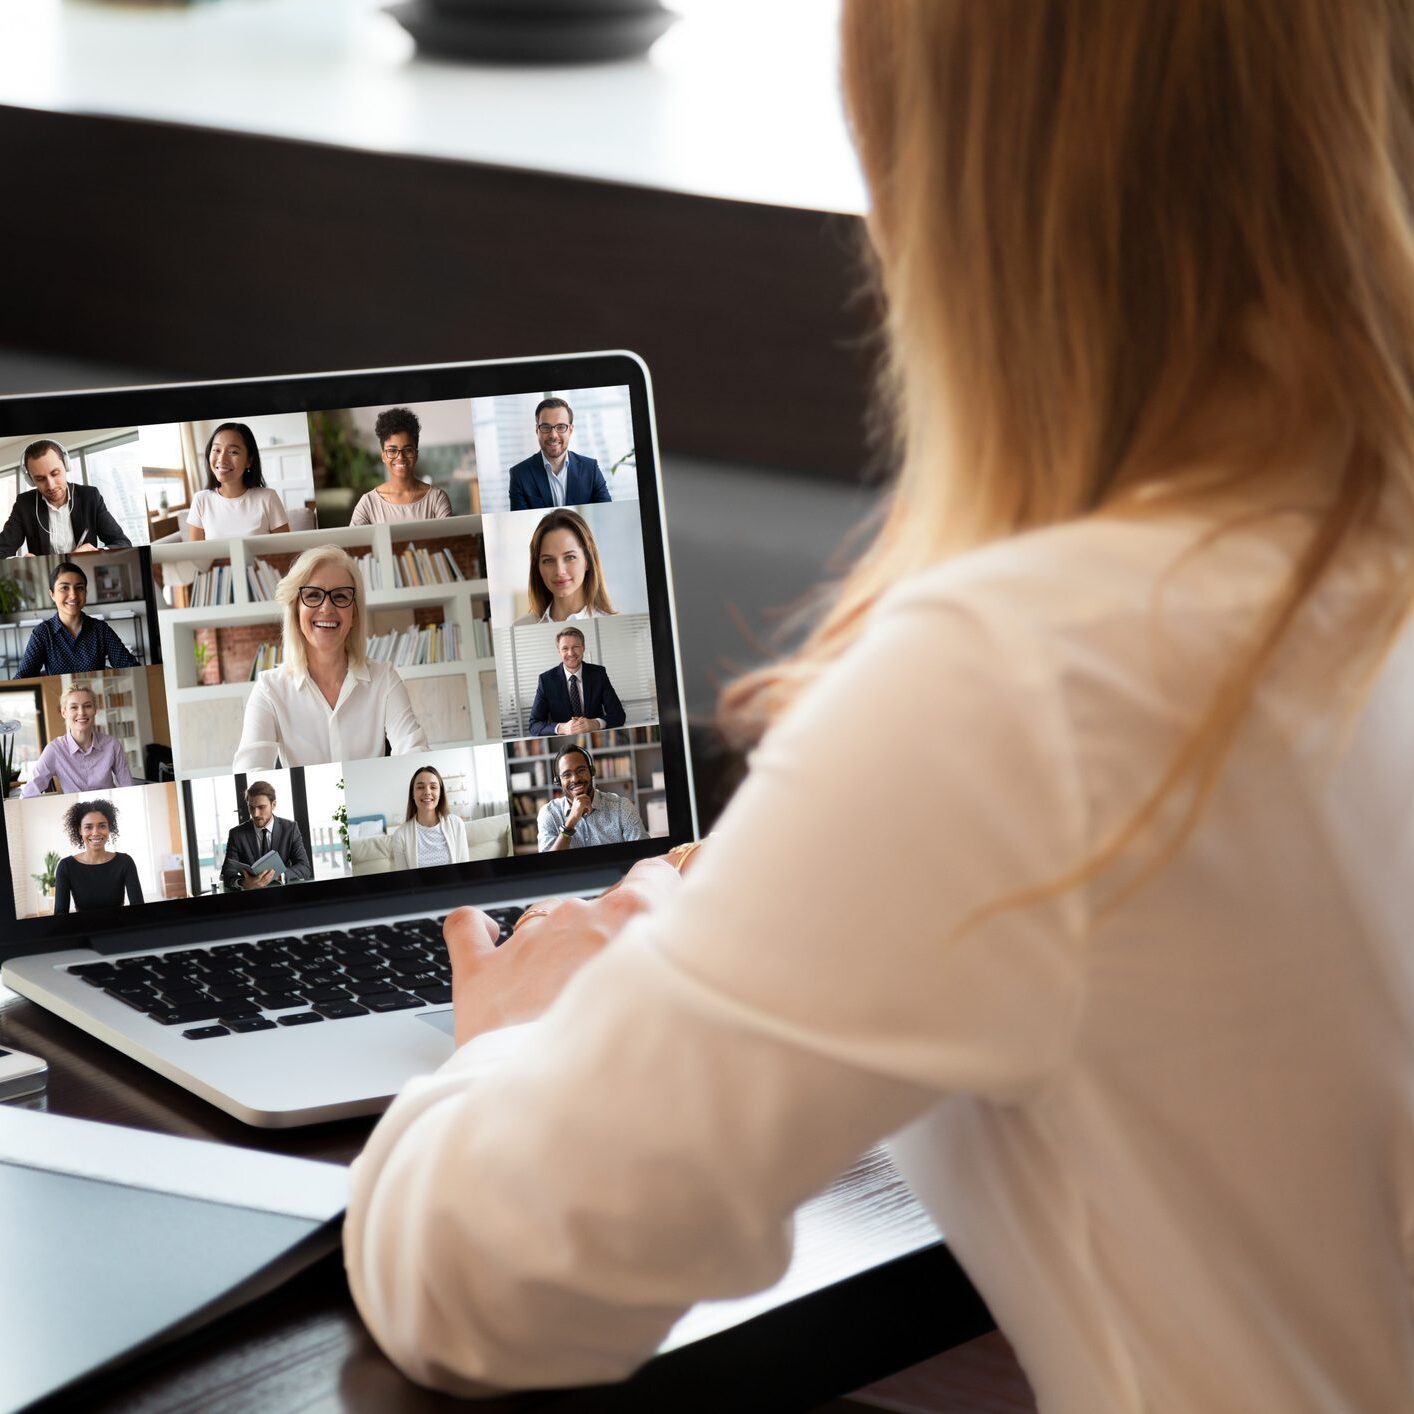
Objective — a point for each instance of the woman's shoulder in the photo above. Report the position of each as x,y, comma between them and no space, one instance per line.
455,823
1099,569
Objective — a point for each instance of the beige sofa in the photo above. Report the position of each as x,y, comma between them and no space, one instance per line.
487,838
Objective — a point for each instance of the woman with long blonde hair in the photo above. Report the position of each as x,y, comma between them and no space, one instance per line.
1115,941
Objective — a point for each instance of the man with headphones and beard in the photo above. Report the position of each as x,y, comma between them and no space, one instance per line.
584,815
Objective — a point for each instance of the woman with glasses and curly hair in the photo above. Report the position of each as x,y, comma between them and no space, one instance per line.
403,496
95,877
326,701
1116,943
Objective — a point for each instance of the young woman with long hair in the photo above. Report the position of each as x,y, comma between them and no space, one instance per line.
1075,850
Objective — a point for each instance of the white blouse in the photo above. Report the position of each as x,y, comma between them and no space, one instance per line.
585,613
256,511
289,722
1171,1139
404,849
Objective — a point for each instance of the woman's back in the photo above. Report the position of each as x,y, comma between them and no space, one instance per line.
1195,1188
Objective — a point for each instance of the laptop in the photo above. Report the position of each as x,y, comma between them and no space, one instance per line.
225,862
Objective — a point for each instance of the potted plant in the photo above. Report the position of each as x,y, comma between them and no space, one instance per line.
46,879
12,596
8,774
341,819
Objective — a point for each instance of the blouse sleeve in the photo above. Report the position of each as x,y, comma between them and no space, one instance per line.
361,514
116,651
131,882
805,993
43,772
198,506
122,775
260,732
61,888
439,507
277,513
402,850
404,731
32,660
459,849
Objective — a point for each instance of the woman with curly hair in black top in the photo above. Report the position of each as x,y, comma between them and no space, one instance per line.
95,877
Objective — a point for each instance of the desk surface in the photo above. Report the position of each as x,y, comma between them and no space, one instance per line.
304,1346
739,100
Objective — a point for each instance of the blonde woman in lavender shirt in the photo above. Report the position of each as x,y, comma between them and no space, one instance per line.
85,757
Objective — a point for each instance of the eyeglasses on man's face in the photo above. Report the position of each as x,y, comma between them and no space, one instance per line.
545,428
311,596
400,454
574,773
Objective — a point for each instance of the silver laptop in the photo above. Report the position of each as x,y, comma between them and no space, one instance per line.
290,668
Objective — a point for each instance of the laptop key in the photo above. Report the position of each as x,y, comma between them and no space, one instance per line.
202,1033
279,1001
140,997
434,995
299,1018
327,994
370,986
93,969
391,1001
248,1023
176,1016
230,991
337,1011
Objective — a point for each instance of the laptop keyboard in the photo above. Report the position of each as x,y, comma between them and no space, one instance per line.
295,980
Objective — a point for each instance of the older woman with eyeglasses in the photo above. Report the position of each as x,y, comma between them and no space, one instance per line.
326,701
403,496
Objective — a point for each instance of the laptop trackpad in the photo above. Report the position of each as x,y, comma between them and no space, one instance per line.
444,1021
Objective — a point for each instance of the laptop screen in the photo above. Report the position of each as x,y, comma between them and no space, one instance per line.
356,635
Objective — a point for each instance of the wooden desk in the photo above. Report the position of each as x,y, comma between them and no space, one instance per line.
304,1345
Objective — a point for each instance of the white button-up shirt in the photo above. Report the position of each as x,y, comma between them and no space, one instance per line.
288,720
61,526
559,480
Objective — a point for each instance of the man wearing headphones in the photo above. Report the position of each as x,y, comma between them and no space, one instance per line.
55,518
584,815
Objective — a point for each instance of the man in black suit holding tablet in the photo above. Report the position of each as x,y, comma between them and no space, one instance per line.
247,844
575,697
54,517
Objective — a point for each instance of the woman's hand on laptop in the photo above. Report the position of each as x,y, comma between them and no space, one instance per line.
494,987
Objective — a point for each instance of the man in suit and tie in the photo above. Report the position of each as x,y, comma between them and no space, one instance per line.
54,517
556,476
575,697
264,831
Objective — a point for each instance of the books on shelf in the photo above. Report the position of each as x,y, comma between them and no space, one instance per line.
211,586
268,655
415,567
263,579
431,643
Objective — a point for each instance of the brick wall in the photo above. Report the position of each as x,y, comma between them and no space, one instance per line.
236,648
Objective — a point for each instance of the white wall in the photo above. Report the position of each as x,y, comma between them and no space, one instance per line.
475,778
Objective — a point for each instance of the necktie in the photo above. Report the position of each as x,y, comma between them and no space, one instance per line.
264,841
576,700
